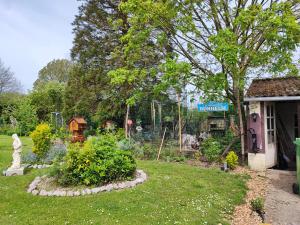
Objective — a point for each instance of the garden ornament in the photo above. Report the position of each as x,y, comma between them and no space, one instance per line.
15,168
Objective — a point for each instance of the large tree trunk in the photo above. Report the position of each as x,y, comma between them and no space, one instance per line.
238,93
242,129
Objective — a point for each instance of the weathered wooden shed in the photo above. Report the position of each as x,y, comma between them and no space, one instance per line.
273,112
77,125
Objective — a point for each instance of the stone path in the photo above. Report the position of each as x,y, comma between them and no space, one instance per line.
282,206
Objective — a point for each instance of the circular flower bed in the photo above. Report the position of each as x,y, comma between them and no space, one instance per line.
39,186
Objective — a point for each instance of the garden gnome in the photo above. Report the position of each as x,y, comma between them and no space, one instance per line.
15,168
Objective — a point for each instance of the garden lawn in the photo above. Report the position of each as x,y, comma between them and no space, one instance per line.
173,194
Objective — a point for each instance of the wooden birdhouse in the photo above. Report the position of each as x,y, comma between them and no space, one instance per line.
77,125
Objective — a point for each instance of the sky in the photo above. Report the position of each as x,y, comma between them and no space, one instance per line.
34,32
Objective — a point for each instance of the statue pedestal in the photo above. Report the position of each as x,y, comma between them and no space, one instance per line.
13,172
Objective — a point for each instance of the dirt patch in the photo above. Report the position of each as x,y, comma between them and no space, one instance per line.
257,186
282,206
201,163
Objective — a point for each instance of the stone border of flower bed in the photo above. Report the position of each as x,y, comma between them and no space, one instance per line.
39,166
140,177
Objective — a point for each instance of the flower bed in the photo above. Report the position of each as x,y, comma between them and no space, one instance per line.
35,187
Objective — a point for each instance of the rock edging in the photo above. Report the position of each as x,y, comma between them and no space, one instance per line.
141,177
39,166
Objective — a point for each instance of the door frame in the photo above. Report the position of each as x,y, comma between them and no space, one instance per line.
270,148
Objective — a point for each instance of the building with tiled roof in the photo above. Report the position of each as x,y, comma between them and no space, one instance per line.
273,122
274,88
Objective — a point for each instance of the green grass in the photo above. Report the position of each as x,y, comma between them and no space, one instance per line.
173,194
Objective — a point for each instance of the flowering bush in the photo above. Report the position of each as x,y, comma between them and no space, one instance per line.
41,138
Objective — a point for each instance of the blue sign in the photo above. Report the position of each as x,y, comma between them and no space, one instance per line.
213,107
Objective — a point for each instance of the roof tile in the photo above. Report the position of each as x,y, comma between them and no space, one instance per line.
273,87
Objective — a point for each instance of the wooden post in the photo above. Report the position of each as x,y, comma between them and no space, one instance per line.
161,144
179,122
126,121
160,120
153,115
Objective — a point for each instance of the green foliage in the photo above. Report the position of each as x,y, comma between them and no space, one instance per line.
29,158
26,117
231,42
149,152
227,139
61,133
98,161
9,106
57,70
8,130
126,144
175,75
48,98
55,154
168,185
257,205
179,159
232,159
41,138
211,149
120,133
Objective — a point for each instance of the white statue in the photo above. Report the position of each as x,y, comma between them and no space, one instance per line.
17,146
16,168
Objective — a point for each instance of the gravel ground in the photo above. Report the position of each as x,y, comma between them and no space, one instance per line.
243,215
282,206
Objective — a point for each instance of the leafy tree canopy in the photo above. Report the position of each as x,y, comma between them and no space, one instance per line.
48,98
225,42
97,49
56,70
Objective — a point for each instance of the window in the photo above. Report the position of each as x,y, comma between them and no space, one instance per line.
270,124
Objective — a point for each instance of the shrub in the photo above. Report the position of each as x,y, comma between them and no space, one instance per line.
257,205
120,133
149,151
126,144
61,133
232,159
55,153
211,149
29,158
26,116
227,139
8,130
98,161
41,138
197,155
178,159
89,132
